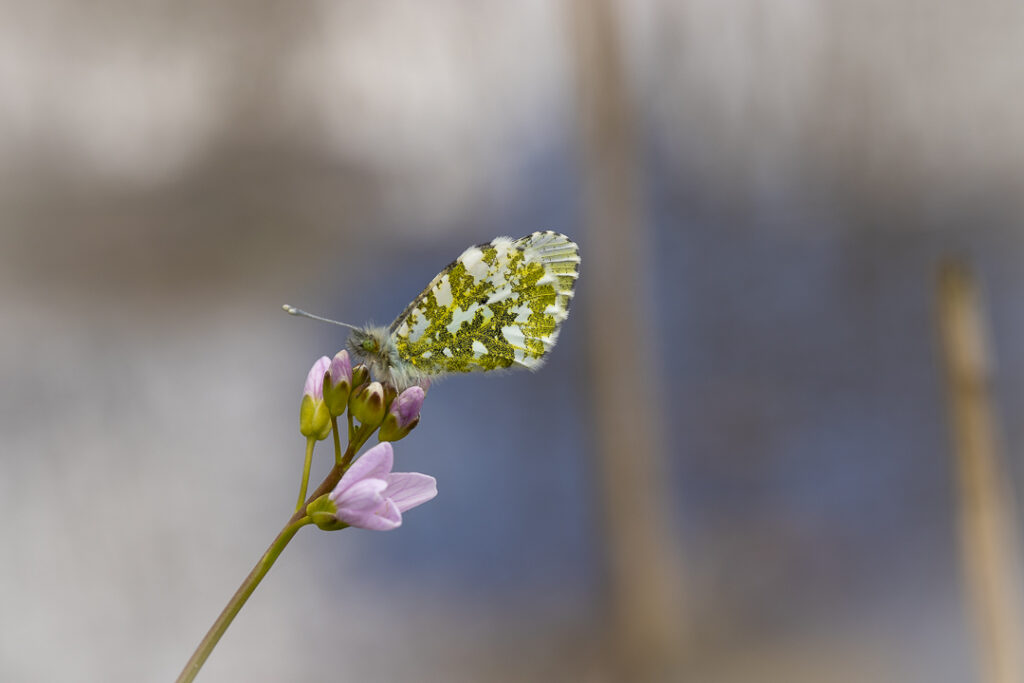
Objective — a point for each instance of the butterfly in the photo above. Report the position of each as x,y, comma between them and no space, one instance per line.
498,306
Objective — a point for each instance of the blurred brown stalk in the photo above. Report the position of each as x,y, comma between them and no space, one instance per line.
645,578
988,527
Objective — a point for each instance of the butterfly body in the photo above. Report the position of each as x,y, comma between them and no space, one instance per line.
498,306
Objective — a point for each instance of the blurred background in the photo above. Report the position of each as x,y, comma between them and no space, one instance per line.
783,177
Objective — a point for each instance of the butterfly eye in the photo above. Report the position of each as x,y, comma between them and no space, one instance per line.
369,345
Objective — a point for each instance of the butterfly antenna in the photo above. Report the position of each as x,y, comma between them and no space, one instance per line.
291,310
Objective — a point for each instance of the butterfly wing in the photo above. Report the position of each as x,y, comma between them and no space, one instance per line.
498,305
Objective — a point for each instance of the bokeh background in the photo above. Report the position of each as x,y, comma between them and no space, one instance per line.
172,172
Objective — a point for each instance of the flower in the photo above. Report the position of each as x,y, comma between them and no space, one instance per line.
371,496
314,418
404,414
338,383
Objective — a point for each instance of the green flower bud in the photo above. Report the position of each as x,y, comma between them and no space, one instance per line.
390,393
314,418
360,375
367,404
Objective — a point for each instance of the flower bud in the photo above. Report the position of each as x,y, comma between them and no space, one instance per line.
338,384
315,378
390,393
360,375
404,414
367,404
314,418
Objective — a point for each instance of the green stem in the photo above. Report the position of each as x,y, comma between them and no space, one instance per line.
337,440
334,476
310,442
361,436
238,599
298,520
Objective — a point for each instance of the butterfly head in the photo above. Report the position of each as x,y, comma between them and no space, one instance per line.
371,345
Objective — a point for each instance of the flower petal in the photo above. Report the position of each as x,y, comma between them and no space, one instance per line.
315,379
409,489
341,367
384,518
375,463
362,496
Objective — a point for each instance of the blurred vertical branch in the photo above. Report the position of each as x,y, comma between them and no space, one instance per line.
988,532
645,575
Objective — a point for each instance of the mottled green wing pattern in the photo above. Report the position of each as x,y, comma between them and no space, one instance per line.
498,305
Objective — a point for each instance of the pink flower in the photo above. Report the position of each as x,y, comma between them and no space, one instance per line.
371,496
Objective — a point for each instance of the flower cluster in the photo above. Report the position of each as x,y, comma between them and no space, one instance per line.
368,494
